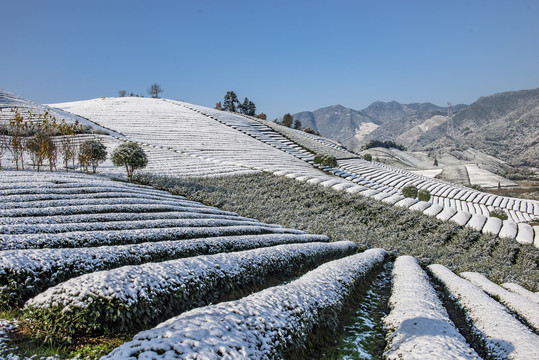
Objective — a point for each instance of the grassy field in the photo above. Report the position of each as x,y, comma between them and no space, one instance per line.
367,222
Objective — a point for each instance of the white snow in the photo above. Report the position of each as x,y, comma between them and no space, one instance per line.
504,336
196,278
524,307
32,271
517,289
260,326
418,325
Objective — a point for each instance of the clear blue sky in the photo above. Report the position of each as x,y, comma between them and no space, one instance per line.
286,56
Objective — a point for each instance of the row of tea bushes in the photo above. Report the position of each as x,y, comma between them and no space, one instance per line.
266,325
132,297
25,273
199,228
493,326
418,325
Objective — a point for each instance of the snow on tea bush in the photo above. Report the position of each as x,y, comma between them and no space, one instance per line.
418,325
25,273
132,297
501,333
522,306
192,228
265,325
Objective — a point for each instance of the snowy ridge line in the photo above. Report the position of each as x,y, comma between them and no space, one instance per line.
418,324
383,174
76,201
110,221
517,289
275,139
522,306
180,128
511,340
265,325
95,195
133,297
40,188
25,273
96,209
315,143
192,228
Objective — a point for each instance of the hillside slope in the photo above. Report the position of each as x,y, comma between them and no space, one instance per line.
504,125
339,123
31,111
380,120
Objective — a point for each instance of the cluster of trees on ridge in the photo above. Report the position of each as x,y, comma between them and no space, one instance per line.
46,140
154,90
232,104
288,121
388,144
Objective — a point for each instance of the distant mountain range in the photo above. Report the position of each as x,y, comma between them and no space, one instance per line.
504,125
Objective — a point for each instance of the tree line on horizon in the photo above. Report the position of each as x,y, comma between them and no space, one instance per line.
154,90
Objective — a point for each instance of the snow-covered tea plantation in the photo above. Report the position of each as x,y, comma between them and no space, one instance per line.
218,268
86,256
224,144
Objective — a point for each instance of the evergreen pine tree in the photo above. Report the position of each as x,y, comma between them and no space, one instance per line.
288,120
231,102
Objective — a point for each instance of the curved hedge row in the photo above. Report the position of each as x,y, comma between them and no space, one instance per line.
25,273
132,297
191,229
266,325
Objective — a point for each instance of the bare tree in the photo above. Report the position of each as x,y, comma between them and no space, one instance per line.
4,145
122,93
155,90
18,128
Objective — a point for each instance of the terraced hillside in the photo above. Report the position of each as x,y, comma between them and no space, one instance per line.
176,131
83,256
31,110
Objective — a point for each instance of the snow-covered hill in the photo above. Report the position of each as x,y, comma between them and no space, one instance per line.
189,140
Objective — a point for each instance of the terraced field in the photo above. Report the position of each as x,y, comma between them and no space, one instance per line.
85,256
181,136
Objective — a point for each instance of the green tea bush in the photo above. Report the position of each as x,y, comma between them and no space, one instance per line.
325,160
410,191
367,157
423,195
129,298
367,222
498,213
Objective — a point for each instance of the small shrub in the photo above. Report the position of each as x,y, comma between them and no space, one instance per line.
325,160
499,213
423,195
367,157
409,191
477,187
